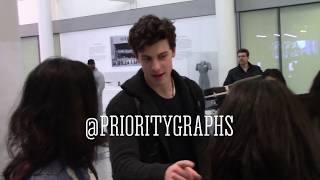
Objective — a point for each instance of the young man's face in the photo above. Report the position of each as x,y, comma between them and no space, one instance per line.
156,62
243,58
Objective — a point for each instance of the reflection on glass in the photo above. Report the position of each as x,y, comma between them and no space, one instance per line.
259,34
30,54
300,45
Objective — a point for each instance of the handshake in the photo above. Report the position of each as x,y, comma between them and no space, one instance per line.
182,170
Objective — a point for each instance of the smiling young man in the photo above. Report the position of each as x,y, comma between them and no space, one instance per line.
156,89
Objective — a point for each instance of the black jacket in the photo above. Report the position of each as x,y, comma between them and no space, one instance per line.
140,157
238,73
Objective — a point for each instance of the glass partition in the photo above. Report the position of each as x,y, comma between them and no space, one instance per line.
259,34
300,45
297,29
30,53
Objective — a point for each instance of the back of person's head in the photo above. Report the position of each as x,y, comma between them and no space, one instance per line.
315,87
311,101
149,30
274,74
243,50
49,123
91,62
272,137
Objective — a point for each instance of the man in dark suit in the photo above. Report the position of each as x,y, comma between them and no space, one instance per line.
244,69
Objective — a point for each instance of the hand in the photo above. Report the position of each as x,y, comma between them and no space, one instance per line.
181,170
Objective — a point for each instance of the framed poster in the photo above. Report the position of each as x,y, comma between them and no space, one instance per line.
121,52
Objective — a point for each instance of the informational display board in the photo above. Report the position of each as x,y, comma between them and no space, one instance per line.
121,52
196,42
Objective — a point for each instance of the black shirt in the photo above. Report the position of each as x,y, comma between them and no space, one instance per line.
238,73
180,146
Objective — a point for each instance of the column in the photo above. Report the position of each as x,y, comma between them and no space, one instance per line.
45,30
227,44
11,70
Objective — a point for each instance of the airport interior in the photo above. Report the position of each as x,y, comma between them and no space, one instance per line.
211,39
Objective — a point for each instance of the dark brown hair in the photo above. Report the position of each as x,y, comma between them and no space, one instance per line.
315,87
243,50
274,73
272,139
311,101
49,123
150,29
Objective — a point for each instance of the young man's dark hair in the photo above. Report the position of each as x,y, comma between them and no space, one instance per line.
243,50
149,30
157,89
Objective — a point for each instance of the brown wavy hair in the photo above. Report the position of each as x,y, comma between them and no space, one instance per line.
273,137
49,123
150,29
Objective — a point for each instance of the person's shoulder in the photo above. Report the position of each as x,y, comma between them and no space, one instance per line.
99,73
307,98
233,70
53,171
122,96
256,67
49,177
190,81
122,102
192,85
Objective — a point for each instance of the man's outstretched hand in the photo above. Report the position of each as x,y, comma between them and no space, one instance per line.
182,170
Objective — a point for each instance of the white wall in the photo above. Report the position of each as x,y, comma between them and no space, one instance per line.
196,41
202,34
29,13
11,71
226,31
65,9
77,45
77,8
201,45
